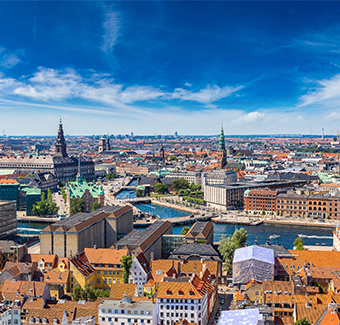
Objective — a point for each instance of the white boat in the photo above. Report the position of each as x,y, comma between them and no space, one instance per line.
274,236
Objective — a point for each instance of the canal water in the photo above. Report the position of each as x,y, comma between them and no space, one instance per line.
288,233
161,211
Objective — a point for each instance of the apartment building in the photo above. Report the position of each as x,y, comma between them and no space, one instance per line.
127,311
181,300
260,200
107,265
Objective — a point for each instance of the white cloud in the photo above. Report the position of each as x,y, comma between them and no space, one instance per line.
50,84
251,117
328,90
111,26
334,116
61,85
205,96
9,61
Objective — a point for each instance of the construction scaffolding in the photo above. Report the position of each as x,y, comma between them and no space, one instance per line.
253,263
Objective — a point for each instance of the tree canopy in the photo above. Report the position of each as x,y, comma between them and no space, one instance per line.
161,188
229,245
95,206
77,205
298,242
88,293
180,183
302,321
45,207
126,264
185,230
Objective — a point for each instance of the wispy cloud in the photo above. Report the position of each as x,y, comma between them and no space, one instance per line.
326,91
9,59
111,26
61,85
205,96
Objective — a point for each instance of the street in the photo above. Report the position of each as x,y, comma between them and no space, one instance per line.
225,306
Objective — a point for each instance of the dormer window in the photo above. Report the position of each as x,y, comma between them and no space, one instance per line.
31,320
180,292
55,321
168,292
37,321
44,320
191,293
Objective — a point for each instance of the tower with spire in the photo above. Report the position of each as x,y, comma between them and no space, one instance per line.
108,147
60,146
221,154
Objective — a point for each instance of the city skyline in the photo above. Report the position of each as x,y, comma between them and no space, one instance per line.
161,67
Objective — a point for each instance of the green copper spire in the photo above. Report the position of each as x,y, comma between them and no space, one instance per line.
221,146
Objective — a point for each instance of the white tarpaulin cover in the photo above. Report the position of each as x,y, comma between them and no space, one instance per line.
253,263
241,317
254,252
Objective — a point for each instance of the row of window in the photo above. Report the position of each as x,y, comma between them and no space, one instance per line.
110,281
180,301
179,307
123,311
103,265
180,315
129,320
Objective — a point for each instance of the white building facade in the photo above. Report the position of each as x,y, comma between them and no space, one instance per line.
127,312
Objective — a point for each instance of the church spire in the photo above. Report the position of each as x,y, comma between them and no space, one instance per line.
108,146
221,146
60,146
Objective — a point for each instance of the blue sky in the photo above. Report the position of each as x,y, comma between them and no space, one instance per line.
159,67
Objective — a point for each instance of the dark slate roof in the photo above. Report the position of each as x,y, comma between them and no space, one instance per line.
279,250
292,176
138,237
146,180
205,251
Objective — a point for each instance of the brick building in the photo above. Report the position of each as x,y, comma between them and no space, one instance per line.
260,200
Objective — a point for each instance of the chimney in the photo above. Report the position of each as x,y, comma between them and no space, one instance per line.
94,246
179,268
152,257
204,267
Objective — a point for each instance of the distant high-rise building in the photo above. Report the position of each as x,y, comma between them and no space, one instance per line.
176,134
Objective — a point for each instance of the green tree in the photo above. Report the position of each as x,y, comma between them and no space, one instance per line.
263,213
77,205
49,195
126,264
185,230
76,294
95,206
63,193
41,207
229,245
297,241
161,188
139,193
180,183
302,321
